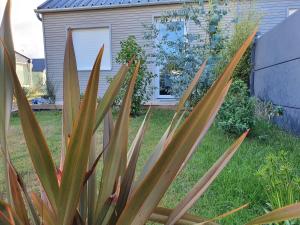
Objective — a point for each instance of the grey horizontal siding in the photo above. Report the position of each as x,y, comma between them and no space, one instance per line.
129,21
123,22
274,12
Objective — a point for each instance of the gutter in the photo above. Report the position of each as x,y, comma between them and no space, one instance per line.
128,5
39,16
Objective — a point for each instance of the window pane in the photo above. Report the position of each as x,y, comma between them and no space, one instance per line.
170,33
87,43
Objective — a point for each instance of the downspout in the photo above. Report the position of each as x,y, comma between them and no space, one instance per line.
38,15
40,18
30,72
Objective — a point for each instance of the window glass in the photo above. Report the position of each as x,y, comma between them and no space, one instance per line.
170,33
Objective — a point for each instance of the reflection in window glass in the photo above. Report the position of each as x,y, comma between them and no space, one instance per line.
170,33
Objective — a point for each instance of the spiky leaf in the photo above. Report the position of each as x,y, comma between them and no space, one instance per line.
117,152
78,149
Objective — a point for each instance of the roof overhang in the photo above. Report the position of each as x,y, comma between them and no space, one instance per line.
24,56
129,5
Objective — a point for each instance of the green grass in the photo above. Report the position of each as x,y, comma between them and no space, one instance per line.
236,185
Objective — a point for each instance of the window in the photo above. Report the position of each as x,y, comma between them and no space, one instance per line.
87,43
292,11
168,33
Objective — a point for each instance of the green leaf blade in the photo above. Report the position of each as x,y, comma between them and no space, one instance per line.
6,88
278,215
36,143
78,149
110,95
204,183
116,157
17,198
149,193
71,90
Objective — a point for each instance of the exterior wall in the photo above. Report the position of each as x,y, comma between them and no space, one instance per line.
123,22
129,21
24,74
277,70
23,69
274,12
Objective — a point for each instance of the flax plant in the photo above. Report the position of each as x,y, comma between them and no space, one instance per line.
71,194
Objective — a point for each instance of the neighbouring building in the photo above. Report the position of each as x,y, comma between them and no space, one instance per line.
24,69
38,72
97,22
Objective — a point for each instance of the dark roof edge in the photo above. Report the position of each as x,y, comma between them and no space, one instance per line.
16,52
43,4
107,6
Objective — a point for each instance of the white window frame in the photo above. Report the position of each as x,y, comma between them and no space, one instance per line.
291,11
109,68
155,19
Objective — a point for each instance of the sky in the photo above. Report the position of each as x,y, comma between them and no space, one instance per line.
27,29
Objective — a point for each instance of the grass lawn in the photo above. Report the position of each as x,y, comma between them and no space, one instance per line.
236,185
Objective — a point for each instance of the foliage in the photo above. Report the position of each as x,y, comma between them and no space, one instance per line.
266,110
143,90
178,53
244,68
39,86
243,27
37,90
27,91
178,57
70,195
237,112
281,182
50,88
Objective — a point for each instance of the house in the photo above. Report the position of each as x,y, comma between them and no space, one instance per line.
39,71
97,22
23,69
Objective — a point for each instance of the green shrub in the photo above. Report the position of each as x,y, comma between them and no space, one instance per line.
26,91
244,68
237,113
39,86
143,90
50,88
282,184
266,110
179,54
242,29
